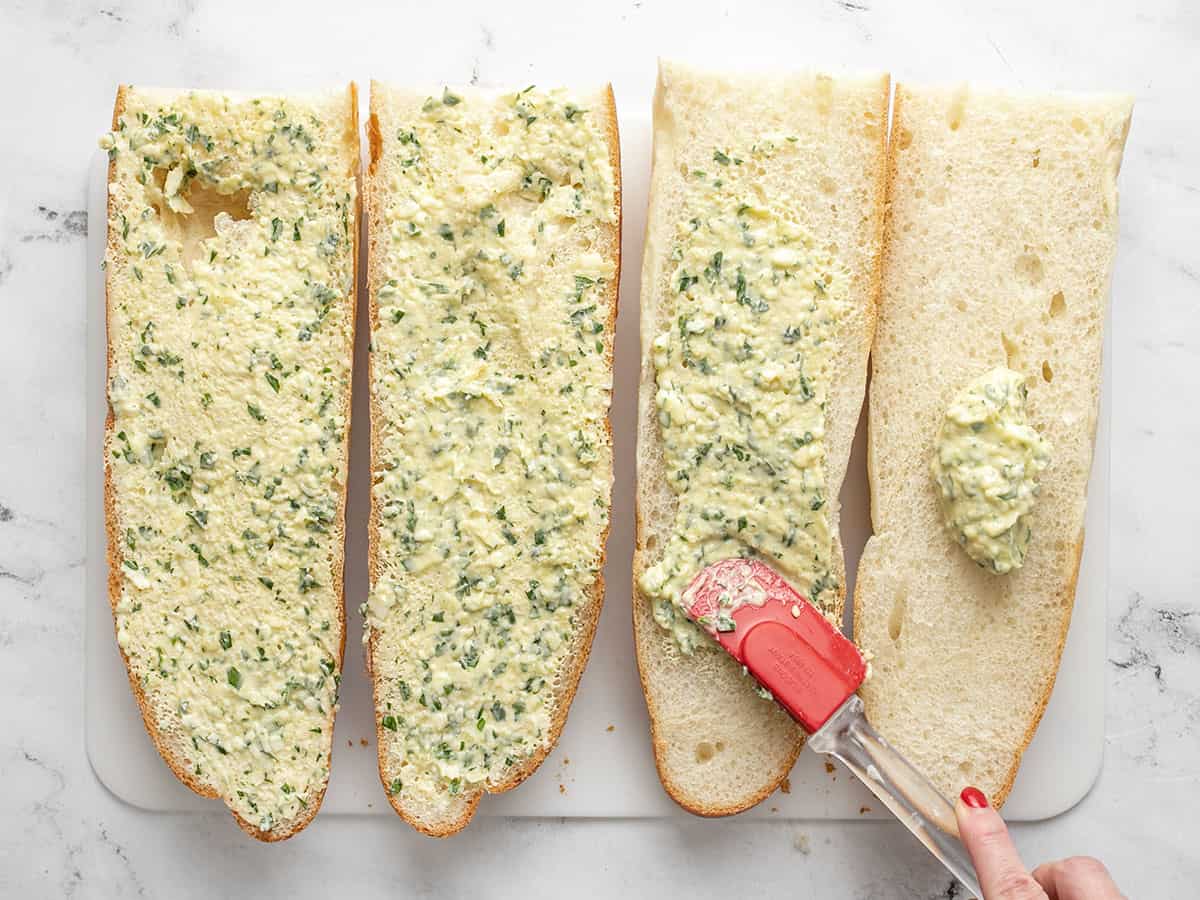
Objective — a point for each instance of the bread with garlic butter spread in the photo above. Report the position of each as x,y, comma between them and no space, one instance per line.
999,246
494,237
230,275
758,303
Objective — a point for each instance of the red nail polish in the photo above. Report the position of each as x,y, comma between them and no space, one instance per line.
974,798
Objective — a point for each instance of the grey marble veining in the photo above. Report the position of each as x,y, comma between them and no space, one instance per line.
63,834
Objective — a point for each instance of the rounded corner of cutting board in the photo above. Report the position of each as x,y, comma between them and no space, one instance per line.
113,778
1071,791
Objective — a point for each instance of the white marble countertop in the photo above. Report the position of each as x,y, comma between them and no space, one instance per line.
63,834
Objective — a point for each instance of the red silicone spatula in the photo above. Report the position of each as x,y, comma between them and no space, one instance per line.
814,671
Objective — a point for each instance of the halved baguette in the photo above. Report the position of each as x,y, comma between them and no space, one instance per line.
494,234
230,276
1000,240
718,746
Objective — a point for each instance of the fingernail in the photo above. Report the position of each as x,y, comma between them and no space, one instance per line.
974,798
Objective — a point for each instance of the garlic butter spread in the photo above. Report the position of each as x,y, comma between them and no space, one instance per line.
491,386
742,376
986,465
227,453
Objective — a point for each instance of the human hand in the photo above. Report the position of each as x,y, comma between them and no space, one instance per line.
1003,876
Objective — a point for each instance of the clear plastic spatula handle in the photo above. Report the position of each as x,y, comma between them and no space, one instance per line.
848,736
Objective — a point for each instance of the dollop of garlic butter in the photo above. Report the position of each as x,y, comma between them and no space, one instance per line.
986,466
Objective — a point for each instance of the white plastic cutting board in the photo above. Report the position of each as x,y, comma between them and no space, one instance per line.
603,765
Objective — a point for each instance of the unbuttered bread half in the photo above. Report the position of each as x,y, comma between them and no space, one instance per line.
230,280
999,247
759,284
494,235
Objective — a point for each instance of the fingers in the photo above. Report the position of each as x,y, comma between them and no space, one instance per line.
1077,878
1001,873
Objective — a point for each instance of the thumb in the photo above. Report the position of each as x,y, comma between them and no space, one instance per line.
1001,873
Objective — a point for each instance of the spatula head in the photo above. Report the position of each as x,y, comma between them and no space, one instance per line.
782,639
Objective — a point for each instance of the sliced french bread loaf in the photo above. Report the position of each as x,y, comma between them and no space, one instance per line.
230,275
494,236
1000,241
762,250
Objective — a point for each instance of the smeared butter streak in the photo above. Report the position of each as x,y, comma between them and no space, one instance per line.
742,376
